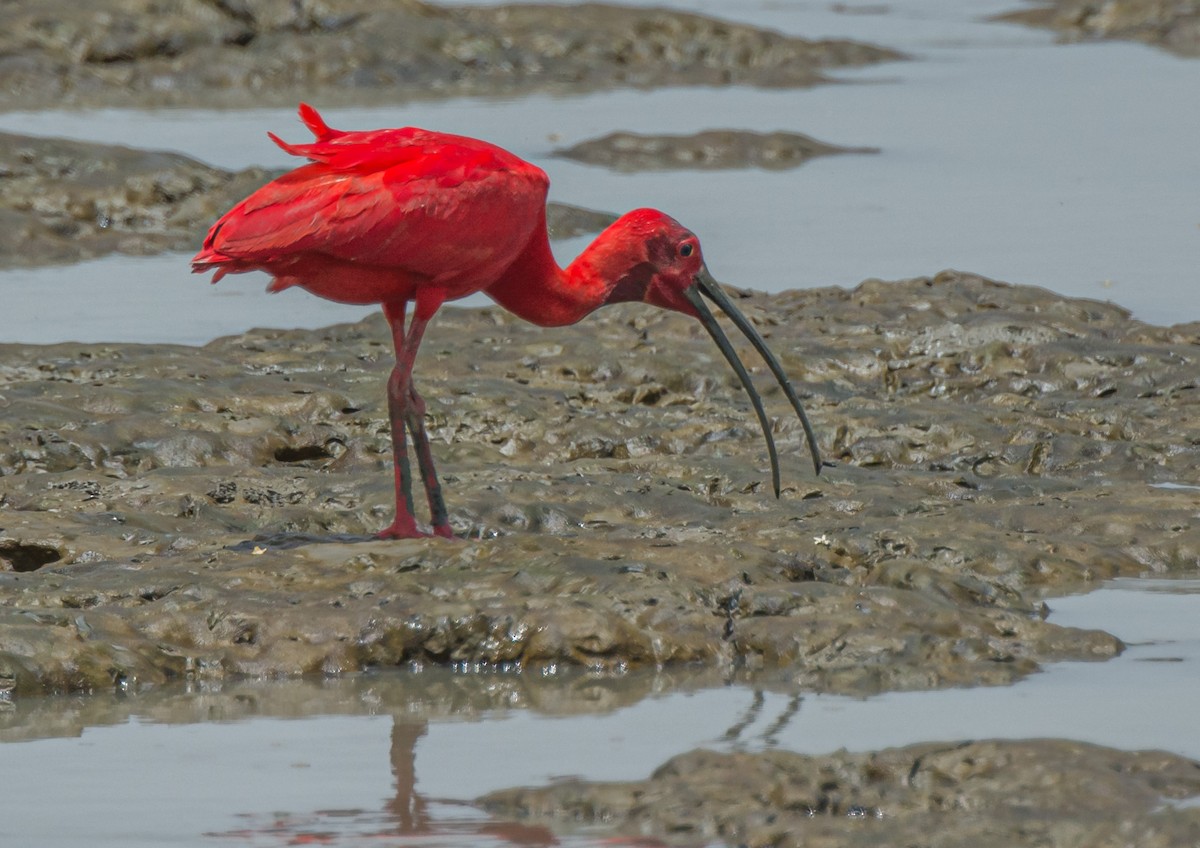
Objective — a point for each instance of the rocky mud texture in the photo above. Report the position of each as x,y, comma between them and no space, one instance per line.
67,201
433,694
173,512
990,793
1171,24
708,150
237,53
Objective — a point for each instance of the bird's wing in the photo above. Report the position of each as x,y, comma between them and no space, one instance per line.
421,203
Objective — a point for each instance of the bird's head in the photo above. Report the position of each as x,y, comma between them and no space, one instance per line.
648,256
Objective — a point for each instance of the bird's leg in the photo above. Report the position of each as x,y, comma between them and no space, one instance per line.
403,410
433,489
404,526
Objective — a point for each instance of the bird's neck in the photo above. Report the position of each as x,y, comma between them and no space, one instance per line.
536,289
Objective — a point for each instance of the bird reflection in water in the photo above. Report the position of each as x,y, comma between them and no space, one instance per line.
408,818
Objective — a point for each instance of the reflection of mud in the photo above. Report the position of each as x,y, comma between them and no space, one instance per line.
430,694
992,443
1045,792
707,150
198,53
1173,26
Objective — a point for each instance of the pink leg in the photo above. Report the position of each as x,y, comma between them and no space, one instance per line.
433,489
402,410
404,526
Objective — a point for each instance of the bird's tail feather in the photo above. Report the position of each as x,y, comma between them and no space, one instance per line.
211,260
317,126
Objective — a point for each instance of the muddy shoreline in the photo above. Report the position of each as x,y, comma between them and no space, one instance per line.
160,502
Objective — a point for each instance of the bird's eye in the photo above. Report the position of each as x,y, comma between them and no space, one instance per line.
686,249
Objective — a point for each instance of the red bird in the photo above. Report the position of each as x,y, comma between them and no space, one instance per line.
407,215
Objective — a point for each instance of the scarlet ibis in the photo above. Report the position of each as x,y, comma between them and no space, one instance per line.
395,216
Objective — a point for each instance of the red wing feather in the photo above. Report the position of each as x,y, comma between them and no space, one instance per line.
409,203
308,209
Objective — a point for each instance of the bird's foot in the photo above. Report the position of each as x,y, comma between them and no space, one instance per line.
402,533
407,529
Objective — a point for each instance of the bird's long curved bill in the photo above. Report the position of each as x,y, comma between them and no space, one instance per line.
711,289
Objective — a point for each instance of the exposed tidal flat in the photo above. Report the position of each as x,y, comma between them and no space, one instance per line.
186,528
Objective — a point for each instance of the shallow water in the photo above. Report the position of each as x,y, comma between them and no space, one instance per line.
1002,153
397,754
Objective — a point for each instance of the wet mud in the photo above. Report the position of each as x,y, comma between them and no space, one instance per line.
987,793
67,201
198,53
1171,26
174,512
708,150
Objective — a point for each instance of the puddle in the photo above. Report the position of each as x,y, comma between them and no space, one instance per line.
1002,154
391,758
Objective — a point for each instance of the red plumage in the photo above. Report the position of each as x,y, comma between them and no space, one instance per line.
378,215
